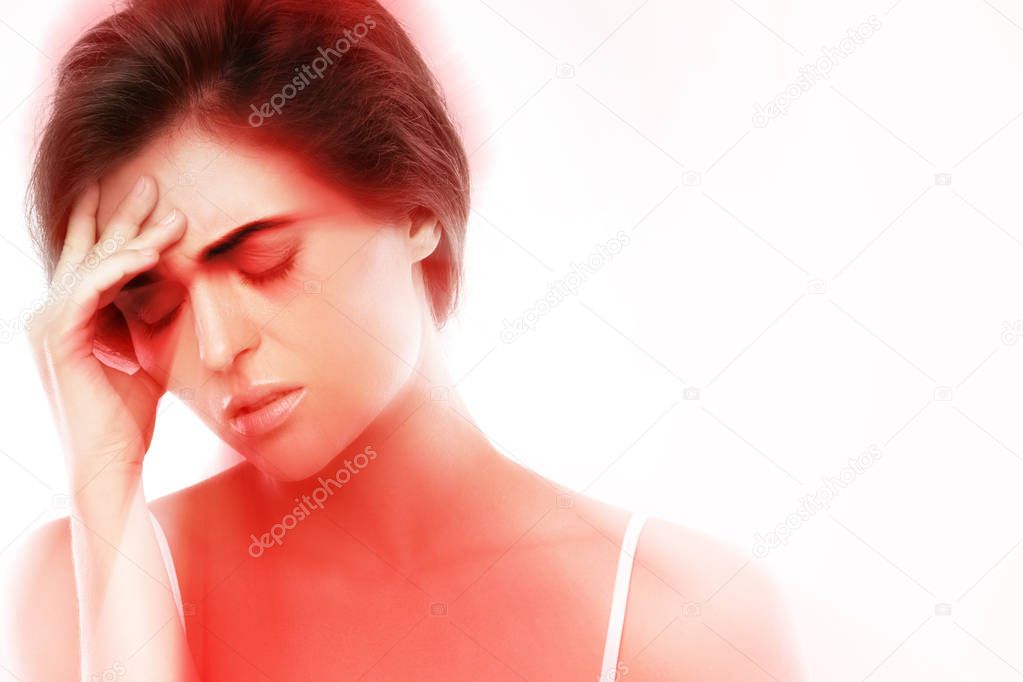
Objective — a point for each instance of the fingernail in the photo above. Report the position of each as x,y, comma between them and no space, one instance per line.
170,217
140,186
149,253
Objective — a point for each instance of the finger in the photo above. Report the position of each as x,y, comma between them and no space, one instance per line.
112,343
81,230
125,222
162,234
100,285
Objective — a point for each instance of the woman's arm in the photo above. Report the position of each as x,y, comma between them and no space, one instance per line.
128,618
126,611
39,599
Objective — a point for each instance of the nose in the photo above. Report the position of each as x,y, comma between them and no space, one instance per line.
223,329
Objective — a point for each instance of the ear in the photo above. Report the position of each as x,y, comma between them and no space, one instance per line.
423,234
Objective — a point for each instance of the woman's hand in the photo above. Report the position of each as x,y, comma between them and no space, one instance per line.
105,416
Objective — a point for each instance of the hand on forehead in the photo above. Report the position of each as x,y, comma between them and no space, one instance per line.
217,183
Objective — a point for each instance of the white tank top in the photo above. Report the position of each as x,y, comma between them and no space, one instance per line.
168,561
619,597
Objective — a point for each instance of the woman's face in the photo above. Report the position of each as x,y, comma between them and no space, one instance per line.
317,297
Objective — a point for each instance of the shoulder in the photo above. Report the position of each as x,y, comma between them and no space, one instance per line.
40,609
700,609
728,616
203,522
206,504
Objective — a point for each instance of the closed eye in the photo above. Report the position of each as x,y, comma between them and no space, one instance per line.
279,270
153,328
257,265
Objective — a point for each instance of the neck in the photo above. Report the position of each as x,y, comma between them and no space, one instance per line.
414,475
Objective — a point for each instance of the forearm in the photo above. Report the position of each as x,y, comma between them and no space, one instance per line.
127,614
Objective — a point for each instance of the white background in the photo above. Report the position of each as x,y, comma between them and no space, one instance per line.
811,279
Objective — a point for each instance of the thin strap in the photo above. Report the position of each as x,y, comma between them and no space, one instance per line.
168,561
609,664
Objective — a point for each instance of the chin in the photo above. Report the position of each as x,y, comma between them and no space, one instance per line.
286,467
292,460
301,452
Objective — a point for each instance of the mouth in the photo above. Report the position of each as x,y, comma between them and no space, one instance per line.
258,415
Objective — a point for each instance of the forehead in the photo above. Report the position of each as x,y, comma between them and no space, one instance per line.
220,181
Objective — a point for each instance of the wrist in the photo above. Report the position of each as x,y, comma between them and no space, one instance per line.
113,465
111,488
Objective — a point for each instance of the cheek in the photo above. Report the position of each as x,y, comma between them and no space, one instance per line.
362,338
164,356
362,328
379,298
148,353
375,294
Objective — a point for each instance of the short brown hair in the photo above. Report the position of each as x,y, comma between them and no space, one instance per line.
374,118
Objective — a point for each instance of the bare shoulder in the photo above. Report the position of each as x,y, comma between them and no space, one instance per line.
39,632
698,608
40,609
206,506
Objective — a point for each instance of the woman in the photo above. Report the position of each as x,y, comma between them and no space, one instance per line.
260,206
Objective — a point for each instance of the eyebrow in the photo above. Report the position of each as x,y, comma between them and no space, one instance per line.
222,245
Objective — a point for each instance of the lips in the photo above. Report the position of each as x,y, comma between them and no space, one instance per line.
245,409
260,414
253,399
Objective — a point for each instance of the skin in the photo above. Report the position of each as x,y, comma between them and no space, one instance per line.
440,558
